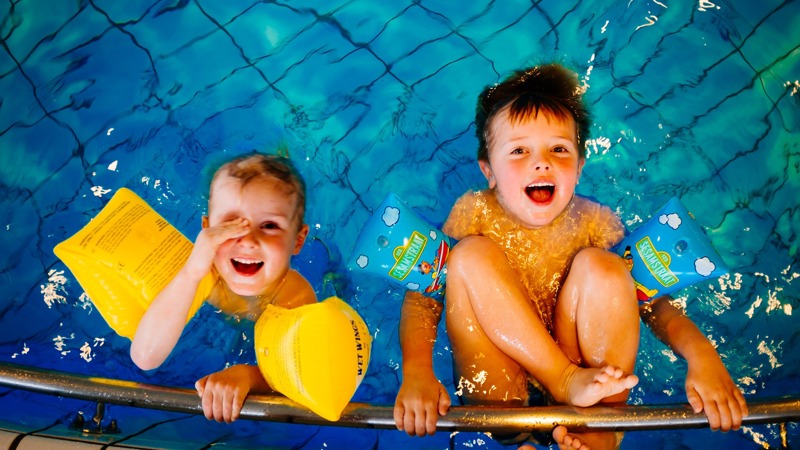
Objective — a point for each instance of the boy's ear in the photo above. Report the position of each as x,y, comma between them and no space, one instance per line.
486,169
301,238
204,223
581,162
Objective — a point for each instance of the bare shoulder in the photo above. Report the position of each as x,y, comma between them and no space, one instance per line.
296,291
462,218
585,205
600,221
593,211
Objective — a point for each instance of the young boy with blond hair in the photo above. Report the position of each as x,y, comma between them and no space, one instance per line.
255,224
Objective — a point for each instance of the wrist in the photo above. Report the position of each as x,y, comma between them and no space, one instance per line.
416,369
192,275
700,350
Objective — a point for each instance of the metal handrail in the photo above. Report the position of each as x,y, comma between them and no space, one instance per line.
276,408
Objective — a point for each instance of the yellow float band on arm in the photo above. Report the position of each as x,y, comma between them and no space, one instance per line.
316,355
124,257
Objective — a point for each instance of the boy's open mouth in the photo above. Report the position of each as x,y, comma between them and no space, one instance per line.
246,266
540,192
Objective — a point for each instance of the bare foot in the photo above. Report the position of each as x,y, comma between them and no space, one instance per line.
587,386
584,441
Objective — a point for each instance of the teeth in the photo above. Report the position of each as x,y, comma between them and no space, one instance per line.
246,261
541,184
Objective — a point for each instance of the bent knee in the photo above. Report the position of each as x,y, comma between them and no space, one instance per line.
471,251
602,264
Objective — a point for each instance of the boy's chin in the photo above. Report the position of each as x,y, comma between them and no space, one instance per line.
246,292
246,289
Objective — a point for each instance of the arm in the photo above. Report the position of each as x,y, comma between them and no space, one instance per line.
223,393
709,387
422,398
163,322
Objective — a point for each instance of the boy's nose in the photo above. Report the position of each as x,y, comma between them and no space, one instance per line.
248,240
542,163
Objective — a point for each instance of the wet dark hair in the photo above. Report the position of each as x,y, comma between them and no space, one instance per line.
256,165
550,88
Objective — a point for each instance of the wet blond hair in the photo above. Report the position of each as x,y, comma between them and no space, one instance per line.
247,168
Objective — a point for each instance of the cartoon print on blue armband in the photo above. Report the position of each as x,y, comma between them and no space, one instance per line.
399,245
669,252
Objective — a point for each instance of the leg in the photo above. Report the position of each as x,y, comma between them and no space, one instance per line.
597,324
597,314
496,333
486,374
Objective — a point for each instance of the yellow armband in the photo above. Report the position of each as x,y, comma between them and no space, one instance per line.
124,257
316,354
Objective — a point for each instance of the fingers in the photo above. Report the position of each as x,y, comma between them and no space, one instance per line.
215,236
416,423
409,423
225,231
235,407
725,415
444,401
694,400
731,412
208,242
238,226
200,385
736,412
431,417
405,420
421,423
724,410
399,416
207,400
222,405
418,406
737,394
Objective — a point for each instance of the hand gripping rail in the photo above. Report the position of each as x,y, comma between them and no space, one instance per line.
276,408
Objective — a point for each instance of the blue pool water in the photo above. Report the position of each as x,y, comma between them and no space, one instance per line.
691,98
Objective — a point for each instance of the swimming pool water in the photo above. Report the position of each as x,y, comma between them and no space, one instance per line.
695,99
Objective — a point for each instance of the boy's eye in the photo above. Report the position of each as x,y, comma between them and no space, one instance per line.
517,151
270,226
560,149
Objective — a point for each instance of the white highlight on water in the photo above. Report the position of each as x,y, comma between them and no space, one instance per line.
61,345
98,191
704,5
25,350
86,352
795,87
598,146
764,350
54,287
651,20
670,355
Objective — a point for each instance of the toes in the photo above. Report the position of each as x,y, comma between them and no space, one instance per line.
631,381
559,433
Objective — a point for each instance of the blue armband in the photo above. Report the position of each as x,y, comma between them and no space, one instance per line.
669,252
400,246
